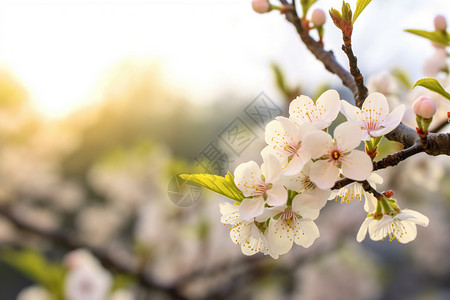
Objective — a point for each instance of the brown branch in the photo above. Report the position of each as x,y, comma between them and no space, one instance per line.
326,57
439,144
70,242
395,158
356,73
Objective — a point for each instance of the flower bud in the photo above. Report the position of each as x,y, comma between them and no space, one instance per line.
261,6
440,23
318,17
424,107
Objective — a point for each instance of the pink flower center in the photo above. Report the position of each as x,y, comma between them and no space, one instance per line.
335,156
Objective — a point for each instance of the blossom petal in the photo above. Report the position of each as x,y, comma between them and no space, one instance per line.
270,212
357,165
419,218
246,177
297,162
375,108
409,232
277,195
329,105
239,232
324,174
271,168
280,236
251,208
351,112
300,109
230,213
348,136
254,242
362,232
317,143
308,201
306,233
370,203
391,122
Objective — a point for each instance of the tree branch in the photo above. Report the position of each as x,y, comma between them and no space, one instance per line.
356,73
393,159
69,241
326,57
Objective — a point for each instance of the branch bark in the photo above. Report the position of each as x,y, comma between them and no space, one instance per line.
70,242
326,57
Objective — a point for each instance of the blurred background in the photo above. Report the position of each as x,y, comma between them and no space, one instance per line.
103,103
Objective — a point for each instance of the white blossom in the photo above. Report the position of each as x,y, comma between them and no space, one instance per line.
284,140
374,117
333,155
401,226
86,279
261,184
292,224
303,110
246,234
355,192
302,184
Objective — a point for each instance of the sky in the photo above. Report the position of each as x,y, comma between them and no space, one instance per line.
61,50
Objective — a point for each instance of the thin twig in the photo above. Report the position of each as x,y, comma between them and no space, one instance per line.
70,242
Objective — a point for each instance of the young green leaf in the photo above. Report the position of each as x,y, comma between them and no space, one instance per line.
402,77
360,5
222,185
434,36
306,5
433,85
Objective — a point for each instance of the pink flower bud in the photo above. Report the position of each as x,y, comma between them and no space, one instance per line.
440,23
318,17
261,6
424,107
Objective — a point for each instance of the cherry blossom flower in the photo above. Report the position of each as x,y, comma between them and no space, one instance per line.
303,110
355,192
401,226
302,184
374,117
339,153
246,234
259,184
292,224
284,140
86,279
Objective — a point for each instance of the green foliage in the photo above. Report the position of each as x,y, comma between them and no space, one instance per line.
360,6
433,85
346,11
306,5
439,37
402,77
222,185
36,267
279,78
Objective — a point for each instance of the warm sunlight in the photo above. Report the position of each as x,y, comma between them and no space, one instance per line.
62,50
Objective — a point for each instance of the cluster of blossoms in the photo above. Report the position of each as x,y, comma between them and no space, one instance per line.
302,163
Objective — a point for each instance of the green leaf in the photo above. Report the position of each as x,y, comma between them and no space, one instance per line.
360,5
346,11
306,5
402,77
433,85
434,36
222,185
36,267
